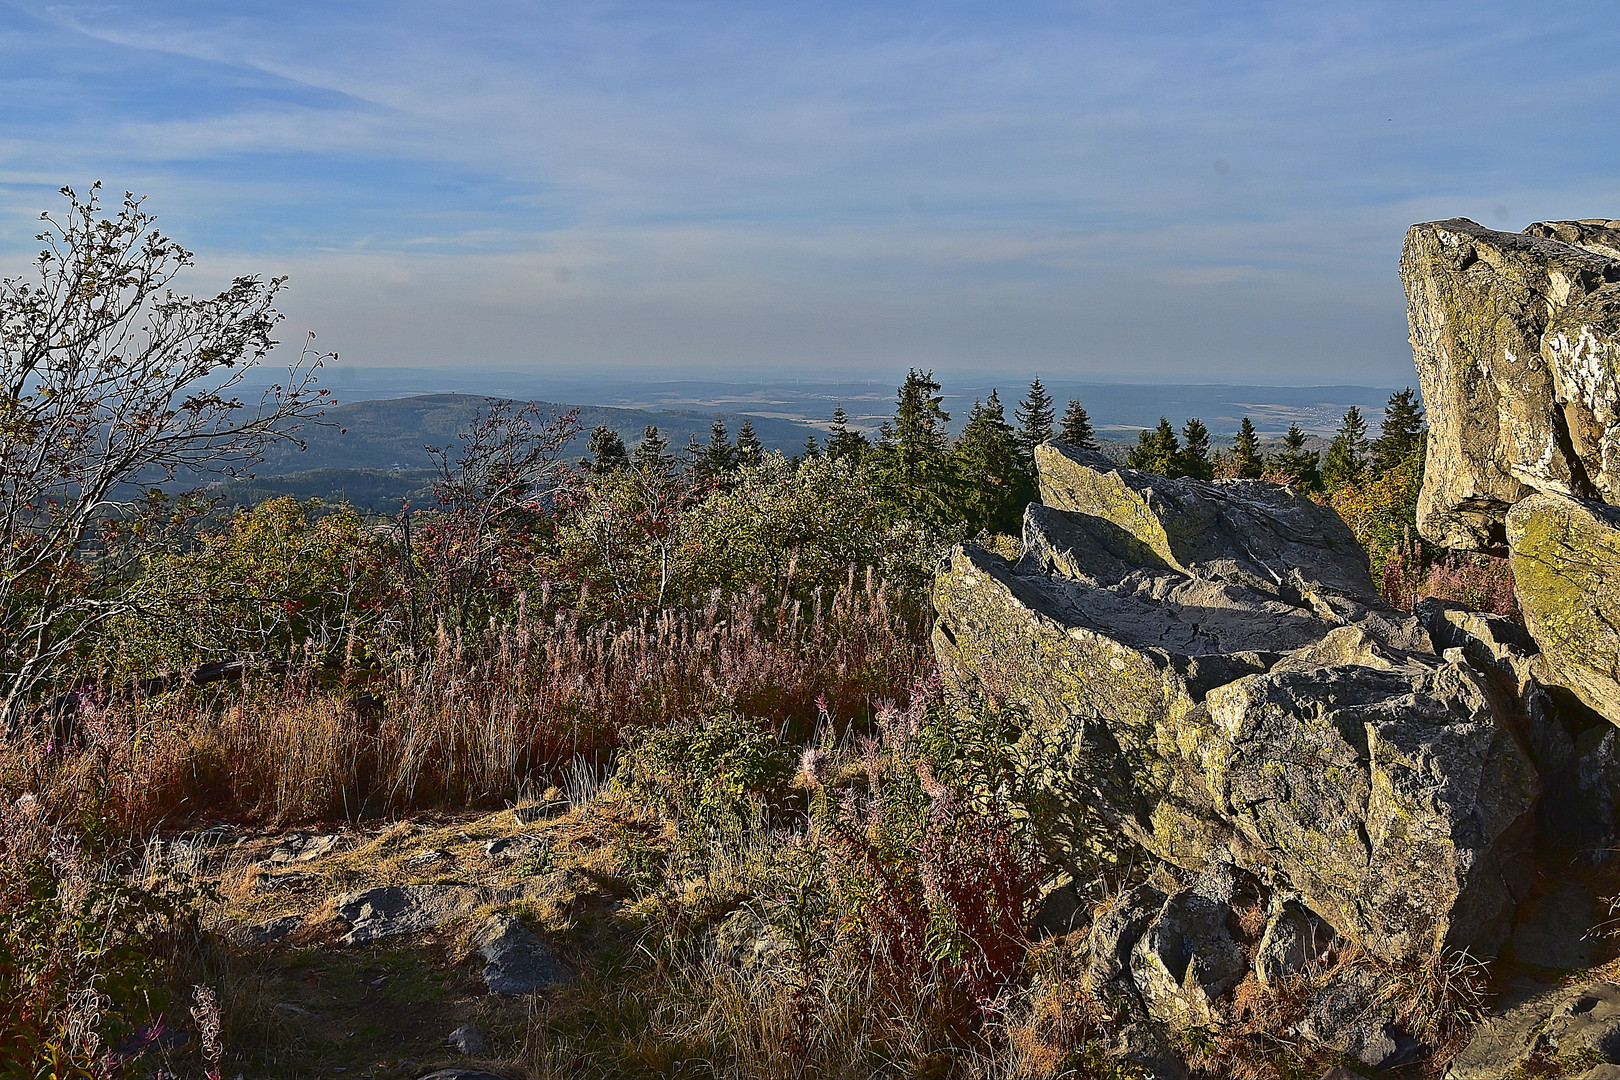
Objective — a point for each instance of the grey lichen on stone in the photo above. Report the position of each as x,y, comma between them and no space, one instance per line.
1201,677
1496,322
1566,571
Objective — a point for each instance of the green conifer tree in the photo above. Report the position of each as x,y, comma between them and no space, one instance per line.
1076,427
914,469
1296,462
993,479
605,453
1244,460
844,441
1035,414
718,456
1157,450
1347,454
652,453
749,449
1401,435
1193,459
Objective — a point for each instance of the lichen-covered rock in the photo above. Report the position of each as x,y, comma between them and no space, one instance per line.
1545,1032
1187,957
1239,709
1597,235
1240,532
1294,938
1566,572
1515,350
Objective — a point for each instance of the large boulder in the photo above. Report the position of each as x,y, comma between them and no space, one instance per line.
1566,572
1514,335
1255,705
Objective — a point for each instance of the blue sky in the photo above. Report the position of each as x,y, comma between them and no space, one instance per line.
1202,191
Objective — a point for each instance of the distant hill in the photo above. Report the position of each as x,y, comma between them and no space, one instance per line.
372,453
392,434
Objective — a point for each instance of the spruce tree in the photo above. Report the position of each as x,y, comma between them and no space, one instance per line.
914,467
652,452
718,457
1401,435
812,449
693,453
1193,459
605,452
749,450
1347,454
1034,415
995,483
1244,459
842,440
1157,450
1295,461
1076,427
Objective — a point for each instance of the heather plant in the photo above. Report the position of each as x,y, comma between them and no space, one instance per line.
706,773
86,944
933,873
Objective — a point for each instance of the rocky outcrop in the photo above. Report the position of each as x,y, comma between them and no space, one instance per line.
1207,669
1546,1031
1517,342
1566,572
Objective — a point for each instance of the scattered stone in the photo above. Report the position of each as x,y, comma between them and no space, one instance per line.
1187,956
274,930
303,847
516,961
1511,333
528,815
508,848
1060,912
391,910
289,1009
425,858
1346,1016
468,1040
1115,931
290,882
1548,1027
1294,937
744,941
461,1074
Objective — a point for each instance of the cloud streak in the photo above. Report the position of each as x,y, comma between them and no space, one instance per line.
1202,190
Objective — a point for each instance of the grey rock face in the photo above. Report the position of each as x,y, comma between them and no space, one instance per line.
1116,930
1260,708
1187,958
1514,338
1566,572
516,961
1238,532
1570,1023
1294,937
392,910
304,847
1556,930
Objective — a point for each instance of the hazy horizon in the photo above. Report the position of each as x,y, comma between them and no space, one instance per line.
1092,191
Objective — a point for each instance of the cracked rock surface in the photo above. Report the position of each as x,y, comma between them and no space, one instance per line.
1517,342
1207,669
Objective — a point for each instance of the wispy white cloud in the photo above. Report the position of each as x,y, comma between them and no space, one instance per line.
1051,185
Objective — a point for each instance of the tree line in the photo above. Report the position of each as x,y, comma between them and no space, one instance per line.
985,477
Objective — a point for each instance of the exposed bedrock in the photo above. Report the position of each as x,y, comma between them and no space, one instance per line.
1566,572
1207,667
1517,342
